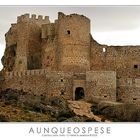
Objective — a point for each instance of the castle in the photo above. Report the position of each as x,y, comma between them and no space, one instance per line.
62,59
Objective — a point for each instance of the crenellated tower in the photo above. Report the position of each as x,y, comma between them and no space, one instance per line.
74,42
28,54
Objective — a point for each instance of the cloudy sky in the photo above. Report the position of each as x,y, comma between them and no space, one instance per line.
117,25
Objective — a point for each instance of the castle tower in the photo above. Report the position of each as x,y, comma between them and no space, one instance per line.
22,42
74,43
28,54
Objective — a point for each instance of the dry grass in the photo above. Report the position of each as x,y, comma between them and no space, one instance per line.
9,113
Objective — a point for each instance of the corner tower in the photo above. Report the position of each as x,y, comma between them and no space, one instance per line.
74,42
28,53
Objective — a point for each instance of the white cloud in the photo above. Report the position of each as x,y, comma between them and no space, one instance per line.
131,37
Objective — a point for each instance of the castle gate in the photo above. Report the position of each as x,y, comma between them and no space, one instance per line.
79,93
78,89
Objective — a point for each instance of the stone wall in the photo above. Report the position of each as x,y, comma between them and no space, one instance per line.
60,84
31,81
41,82
49,57
34,47
101,84
128,90
125,60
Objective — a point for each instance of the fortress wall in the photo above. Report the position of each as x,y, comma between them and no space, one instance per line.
60,84
125,60
9,75
32,84
41,82
101,84
128,90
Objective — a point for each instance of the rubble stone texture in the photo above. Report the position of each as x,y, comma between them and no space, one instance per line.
63,59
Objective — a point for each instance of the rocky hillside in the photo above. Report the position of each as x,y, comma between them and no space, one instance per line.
20,106
115,111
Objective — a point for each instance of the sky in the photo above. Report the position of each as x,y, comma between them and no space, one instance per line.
110,25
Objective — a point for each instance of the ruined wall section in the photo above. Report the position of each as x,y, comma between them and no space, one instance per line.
74,42
125,60
97,56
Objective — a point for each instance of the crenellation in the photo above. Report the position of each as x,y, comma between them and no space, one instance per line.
40,17
33,16
23,18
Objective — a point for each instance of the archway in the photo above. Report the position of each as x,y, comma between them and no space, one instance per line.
79,93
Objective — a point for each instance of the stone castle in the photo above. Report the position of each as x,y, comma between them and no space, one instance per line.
62,59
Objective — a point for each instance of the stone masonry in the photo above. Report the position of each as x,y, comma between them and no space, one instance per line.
62,59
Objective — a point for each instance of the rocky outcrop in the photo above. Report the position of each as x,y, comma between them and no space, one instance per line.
120,112
58,108
8,60
61,110
83,109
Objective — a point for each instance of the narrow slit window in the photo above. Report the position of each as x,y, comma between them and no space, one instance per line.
104,50
68,31
62,92
135,66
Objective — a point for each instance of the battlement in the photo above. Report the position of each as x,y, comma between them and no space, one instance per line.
9,75
33,17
